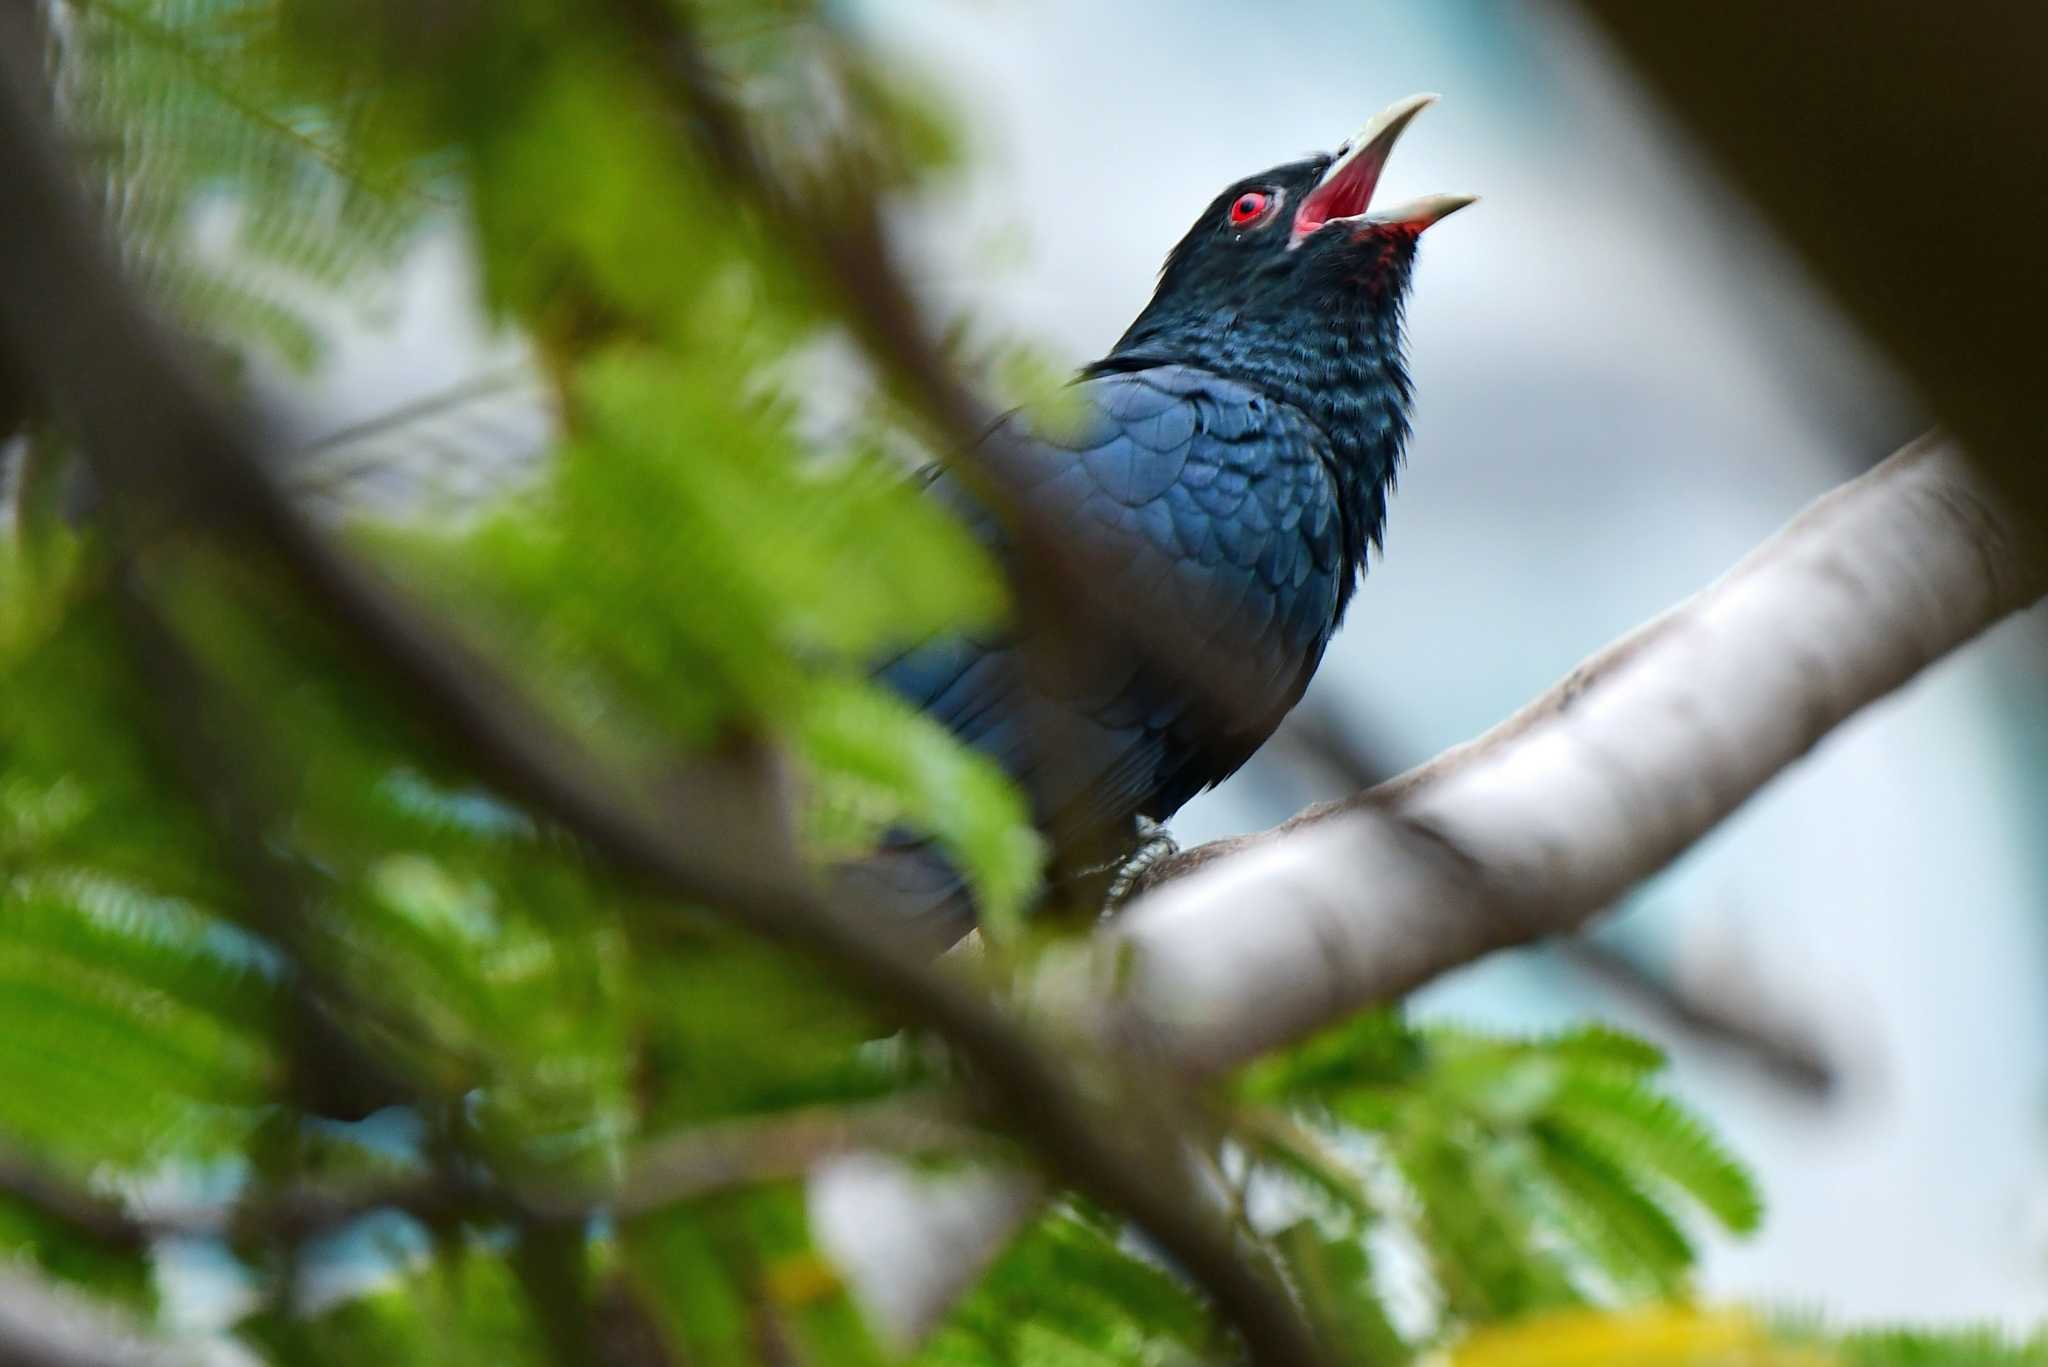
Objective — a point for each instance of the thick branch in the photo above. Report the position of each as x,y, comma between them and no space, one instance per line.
1789,1055
1532,828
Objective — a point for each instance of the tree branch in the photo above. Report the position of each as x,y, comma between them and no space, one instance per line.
1537,825
664,1172
1792,1057
1784,1050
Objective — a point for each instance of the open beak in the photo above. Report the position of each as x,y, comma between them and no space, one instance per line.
1344,194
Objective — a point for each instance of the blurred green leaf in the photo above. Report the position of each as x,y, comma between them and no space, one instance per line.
735,1279
462,1310
1064,1292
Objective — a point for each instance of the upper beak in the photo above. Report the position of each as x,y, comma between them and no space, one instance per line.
1345,191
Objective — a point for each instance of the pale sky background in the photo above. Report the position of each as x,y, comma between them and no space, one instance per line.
1622,387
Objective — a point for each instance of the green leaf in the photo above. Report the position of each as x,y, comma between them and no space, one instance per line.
191,115
1648,1132
881,763
1065,1292
463,1309
1483,1232
732,1029
1631,1238
1334,1277
1371,1049
1977,1347
1539,1172
735,1279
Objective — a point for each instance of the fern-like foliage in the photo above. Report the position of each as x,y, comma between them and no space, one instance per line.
1525,1174
242,198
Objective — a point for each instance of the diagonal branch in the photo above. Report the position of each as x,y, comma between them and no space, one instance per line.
1785,1054
661,1173
1533,828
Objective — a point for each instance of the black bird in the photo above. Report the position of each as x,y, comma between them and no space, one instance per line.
1227,473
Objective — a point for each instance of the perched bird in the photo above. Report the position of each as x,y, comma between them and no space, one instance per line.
1227,471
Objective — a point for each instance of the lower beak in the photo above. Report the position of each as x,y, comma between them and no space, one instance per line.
1344,194
1417,214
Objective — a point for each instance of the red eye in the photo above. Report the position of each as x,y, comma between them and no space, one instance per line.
1248,208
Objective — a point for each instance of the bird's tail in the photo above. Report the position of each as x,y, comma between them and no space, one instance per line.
912,886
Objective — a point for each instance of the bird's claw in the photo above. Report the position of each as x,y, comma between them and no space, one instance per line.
1154,845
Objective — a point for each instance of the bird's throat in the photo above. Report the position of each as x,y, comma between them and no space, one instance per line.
1342,366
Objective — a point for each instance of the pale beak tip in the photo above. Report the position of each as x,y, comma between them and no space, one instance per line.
1418,214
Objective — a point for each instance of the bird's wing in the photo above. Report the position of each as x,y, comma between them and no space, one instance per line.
1204,511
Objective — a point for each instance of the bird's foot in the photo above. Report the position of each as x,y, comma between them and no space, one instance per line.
1154,845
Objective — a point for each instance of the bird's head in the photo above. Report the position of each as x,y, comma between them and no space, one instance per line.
1291,279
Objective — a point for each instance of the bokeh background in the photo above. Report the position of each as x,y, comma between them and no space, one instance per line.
1623,386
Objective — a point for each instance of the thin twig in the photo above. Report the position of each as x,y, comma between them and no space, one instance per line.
489,385
1790,1056
675,1169
707,1158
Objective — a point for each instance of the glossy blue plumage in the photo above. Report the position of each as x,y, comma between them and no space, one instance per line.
1222,485
1209,511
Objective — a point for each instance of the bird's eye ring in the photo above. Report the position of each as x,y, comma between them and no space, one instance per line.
1248,208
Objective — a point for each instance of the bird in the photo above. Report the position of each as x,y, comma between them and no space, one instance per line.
1216,481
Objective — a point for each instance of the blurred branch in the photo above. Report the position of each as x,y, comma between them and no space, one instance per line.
98,1218
172,463
677,1168
271,1214
710,1157
42,1325
1790,1056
